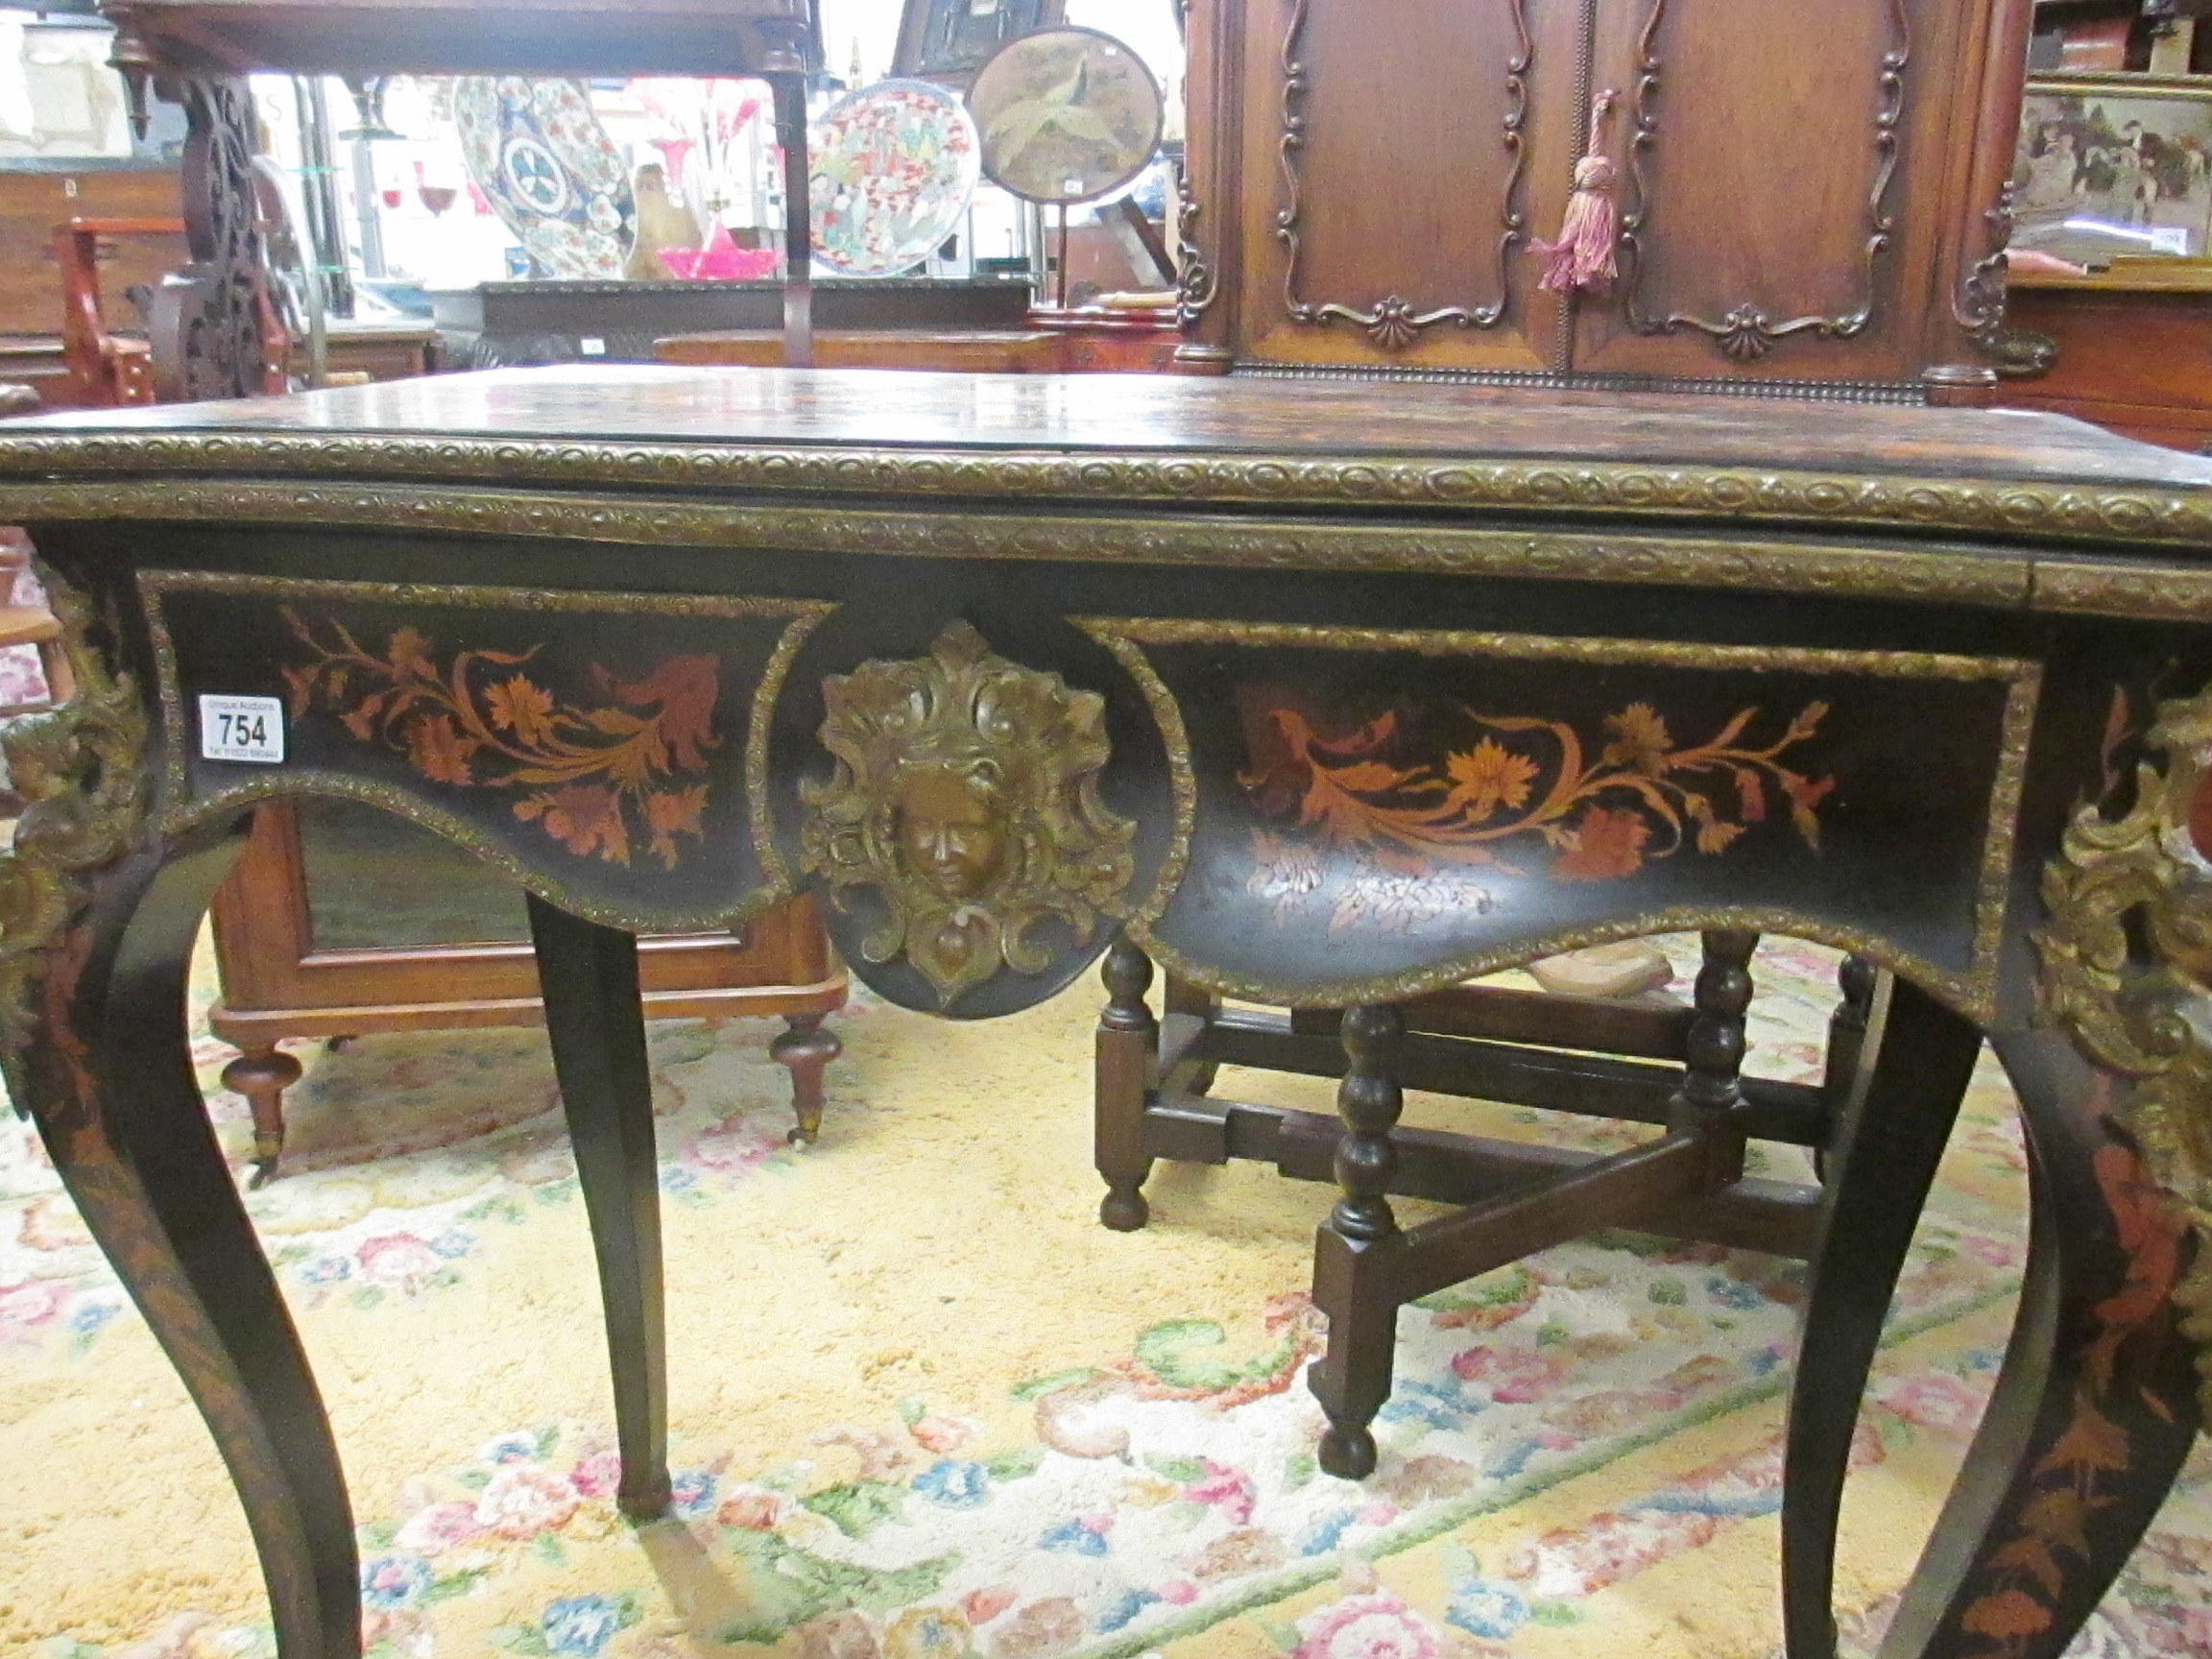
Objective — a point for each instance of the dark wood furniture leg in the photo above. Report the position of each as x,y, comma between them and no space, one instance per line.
1127,1051
1351,1279
108,1076
262,1074
805,1049
2096,1406
597,1021
1878,1178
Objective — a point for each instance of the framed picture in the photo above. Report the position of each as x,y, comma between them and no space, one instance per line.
947,40
2113,164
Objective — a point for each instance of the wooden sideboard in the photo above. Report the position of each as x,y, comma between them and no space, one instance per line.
2134,354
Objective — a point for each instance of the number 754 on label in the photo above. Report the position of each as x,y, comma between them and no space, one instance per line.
242,729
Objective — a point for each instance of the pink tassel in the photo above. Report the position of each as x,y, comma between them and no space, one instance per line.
1583,255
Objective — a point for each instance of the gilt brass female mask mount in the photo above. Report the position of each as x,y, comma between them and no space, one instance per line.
966,797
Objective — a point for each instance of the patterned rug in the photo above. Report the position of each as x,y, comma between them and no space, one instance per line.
924,1407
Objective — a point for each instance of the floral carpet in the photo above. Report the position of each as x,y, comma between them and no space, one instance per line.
924,1407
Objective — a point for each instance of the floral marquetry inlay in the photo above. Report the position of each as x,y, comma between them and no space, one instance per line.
598,773
1507,790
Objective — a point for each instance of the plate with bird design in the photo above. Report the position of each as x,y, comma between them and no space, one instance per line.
892,168
1066,115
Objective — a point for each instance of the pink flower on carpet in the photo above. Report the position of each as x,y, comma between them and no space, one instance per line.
984,1606
1368,1627
1378,1513
26,1307
437,1529
755,1508
397,1261
1231,1489
597,1474
1179,1594
1934,1400
1515,1376
1043,1627
1570,1562
733,1145
1989,1252
522,1500
942,1435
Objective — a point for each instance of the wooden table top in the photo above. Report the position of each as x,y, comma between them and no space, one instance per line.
1131,439
740,408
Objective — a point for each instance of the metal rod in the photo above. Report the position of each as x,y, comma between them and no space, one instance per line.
790,91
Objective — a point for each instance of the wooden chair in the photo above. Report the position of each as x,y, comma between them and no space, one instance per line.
107,370
1655,1060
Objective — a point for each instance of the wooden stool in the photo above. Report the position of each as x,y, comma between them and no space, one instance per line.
1650,1062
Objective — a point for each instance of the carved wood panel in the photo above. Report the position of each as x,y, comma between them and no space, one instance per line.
1761,184
1405,234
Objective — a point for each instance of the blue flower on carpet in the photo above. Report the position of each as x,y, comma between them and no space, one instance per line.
394,1581
579,1626
453,1243
1486,1608
1124,1607
1440,1406
1085,1535
1512,1459
87,1318
1732,1293
1322,1536
327,1270
692,1493
518,1446
954,1484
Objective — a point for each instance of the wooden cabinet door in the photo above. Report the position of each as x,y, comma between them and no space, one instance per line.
1775,224
1393,158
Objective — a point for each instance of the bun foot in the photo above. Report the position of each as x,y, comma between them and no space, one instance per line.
1124,1208
1348,1454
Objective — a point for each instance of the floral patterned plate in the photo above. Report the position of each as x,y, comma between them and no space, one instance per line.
541,159
893,168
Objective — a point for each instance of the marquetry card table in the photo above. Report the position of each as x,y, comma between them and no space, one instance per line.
1322,695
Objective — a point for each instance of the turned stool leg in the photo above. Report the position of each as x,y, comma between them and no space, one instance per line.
1181,997
1846,1043
806,1050
1350,1284
262,1074
1126,1049
1712,1086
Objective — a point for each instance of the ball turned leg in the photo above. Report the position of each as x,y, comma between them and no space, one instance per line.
1350,1284
806,1050
262,1074
1127,1048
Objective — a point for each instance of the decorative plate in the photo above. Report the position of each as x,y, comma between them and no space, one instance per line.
1066,114
894,167
541,159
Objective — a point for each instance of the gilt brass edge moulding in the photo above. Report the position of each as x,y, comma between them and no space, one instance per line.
303,782
1987,578
1571,648
1971,995
2078,508
1974,992
1183,782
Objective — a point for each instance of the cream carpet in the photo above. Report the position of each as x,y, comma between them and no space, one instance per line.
925,1408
